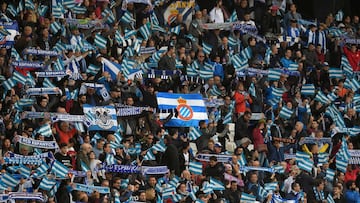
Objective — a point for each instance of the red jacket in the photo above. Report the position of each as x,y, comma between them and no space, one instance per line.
354,58
240,102
257,137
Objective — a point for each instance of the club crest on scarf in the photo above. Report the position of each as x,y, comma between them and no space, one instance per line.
185,111
103,117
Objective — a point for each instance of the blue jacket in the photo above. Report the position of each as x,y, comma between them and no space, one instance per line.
278,155
352,196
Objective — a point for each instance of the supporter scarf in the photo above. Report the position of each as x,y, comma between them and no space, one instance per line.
41,91
232,178
12,196
37,143
164,74
147,50
90,188
355,157
154,170
254,71
51,74
22,160
121,168
27,64
283,140
191,79
319,195
220,157
86,24
310,140
250,168
41,52
352,41
131,111
213,102
67,117
78,173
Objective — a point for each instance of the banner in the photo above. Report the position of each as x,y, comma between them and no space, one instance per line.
220,158
38,143
102,118
191,108
27,64
22,160
40,52
51,74
185,8
352,41
13,29
90,188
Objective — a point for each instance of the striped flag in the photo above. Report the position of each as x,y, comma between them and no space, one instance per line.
158,28
79,9
70,4
345,65
25,171
84,167
79,126
293,67
175,30
286,113
308,89
8,84
232,41
239,63
341,164
191,70
262,192
245,197
320,96
194,133
46,184
352,84
190,37
246,53
195,167
19,78
207,48
278,168
55,27
48,83
274,74
270,186
252,90
29,5
305,164
267,55
15,54
145,31
332,97
233,17
323,158
277,92
127,17
336,73
330,174
11,9
100,41
330,199
242,161
108,15
58,11
45,130
41,170
154,20
111,67
149,156
59,169
129,33
92,69
109,159
20,6
228,118
160,147
216,184
8,180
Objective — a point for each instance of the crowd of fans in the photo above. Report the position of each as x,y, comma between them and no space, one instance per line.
259,122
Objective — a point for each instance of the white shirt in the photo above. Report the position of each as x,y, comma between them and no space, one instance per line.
216,15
